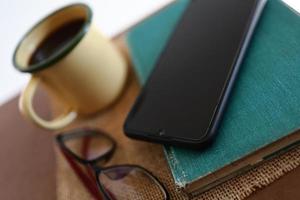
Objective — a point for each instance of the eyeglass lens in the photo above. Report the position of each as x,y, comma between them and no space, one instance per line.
127,182
89,147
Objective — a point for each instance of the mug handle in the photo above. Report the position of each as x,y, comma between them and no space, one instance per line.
26,108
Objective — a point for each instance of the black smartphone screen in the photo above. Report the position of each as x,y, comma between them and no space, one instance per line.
183,95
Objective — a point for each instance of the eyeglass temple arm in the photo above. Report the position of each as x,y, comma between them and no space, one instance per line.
87,182
84,152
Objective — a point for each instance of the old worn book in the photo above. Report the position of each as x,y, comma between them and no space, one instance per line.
264,111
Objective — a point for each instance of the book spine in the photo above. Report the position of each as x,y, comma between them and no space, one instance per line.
178,173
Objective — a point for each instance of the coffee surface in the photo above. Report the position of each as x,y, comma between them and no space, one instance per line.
56,40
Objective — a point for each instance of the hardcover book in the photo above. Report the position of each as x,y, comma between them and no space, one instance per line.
263,113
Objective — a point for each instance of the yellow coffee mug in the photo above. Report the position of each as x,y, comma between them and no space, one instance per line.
86,74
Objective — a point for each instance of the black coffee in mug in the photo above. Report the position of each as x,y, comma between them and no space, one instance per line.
56,40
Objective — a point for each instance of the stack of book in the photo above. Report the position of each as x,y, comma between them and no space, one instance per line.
263,114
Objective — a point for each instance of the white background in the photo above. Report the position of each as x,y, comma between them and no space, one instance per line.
17,16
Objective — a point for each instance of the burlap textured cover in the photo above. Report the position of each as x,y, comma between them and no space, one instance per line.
151,156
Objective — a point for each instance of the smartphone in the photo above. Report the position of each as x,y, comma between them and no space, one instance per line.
184,98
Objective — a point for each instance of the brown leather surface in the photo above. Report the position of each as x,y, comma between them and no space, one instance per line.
27,165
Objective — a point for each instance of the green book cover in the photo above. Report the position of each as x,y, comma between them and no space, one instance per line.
265,104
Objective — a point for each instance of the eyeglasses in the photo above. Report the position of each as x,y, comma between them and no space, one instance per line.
113,182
